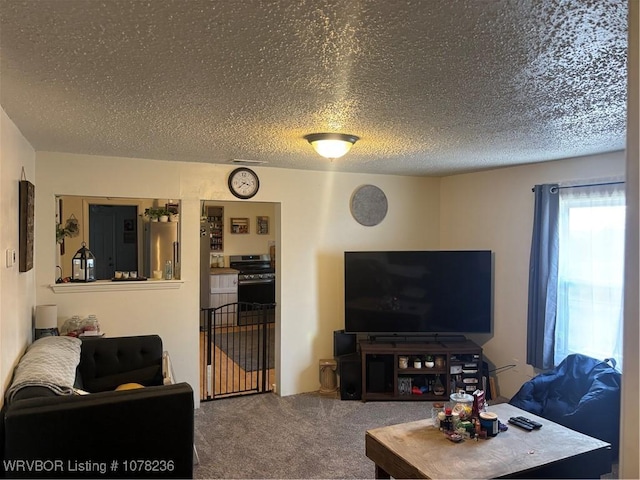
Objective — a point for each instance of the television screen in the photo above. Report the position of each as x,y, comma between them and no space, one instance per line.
418,292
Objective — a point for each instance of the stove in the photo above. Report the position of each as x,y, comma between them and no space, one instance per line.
253,269
256,278
256,288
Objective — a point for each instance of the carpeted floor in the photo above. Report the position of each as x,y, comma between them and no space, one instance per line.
299,436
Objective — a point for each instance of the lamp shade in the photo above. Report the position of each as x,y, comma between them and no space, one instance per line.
46,316
331,145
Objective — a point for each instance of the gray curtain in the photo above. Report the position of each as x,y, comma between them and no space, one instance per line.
543,277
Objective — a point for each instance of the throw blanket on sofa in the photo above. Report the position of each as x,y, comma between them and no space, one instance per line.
49,362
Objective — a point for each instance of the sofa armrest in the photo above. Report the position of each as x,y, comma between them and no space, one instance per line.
143,433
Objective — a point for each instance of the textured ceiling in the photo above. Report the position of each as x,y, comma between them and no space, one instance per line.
431,87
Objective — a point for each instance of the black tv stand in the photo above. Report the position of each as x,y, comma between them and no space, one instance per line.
454,366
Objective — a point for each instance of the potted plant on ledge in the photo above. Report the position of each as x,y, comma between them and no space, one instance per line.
157,214
428,361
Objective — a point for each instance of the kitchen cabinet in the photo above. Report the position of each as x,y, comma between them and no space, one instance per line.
223,289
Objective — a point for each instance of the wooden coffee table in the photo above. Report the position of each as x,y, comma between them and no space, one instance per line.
420,450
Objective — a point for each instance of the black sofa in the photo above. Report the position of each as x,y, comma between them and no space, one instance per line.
138,433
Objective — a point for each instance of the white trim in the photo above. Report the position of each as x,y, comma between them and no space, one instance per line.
109,286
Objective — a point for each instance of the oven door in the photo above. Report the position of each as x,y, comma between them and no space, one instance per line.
257,291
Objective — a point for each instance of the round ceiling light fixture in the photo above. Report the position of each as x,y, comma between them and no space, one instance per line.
331,145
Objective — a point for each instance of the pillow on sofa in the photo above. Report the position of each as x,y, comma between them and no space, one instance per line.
49,363
128,386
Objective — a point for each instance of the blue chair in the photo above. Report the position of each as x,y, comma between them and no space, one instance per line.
581,393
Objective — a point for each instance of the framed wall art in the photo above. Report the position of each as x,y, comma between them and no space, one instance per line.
59,228
262,225
172,207
27,203
239,225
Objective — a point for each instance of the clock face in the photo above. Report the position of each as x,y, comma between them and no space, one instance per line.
244,183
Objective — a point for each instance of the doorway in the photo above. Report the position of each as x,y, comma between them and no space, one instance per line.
113,238
237,368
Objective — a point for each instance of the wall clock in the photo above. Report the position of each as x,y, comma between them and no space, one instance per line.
368,205
244,183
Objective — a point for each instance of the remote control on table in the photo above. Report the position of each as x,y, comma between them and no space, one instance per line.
519,423
533,423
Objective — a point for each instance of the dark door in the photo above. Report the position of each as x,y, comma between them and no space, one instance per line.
113,238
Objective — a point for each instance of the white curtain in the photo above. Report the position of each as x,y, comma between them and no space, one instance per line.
591,271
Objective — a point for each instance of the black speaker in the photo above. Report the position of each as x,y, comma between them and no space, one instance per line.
350,371
375,376
344,343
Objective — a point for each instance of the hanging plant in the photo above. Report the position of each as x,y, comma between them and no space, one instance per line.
71,229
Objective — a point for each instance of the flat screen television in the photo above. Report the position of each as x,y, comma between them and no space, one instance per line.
418,292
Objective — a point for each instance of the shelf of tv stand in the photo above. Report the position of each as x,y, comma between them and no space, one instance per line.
382,358
422,371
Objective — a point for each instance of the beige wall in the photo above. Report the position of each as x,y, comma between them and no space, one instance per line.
313,225
494,210
17,293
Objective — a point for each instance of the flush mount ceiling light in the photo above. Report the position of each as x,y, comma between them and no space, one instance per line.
331,145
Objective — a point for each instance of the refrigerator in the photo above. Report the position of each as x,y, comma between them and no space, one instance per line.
161,245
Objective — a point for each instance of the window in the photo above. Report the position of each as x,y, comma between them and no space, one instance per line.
591,228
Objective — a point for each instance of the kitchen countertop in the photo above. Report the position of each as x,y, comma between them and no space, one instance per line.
223,270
